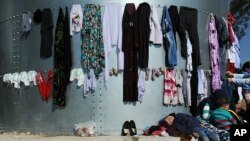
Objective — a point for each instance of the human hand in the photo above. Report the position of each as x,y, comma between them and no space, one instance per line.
196,135
229,74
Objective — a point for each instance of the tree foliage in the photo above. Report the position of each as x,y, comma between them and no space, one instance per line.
241,12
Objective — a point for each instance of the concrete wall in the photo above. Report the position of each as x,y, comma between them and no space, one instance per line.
23,110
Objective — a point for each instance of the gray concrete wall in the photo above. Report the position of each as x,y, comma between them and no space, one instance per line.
23,110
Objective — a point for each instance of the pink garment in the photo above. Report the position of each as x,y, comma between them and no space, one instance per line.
170,90
214,55
159,132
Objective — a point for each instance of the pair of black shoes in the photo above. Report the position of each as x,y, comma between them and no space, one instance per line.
129,128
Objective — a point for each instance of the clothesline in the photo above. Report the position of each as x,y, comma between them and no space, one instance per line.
55,8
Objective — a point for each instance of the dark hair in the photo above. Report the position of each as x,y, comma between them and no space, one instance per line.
245,66
163,122
222,101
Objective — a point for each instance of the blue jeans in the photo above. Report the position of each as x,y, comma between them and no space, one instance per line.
206,135
168,39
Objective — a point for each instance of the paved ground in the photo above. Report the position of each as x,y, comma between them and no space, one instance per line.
26,137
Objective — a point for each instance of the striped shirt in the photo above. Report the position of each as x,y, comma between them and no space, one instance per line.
222,119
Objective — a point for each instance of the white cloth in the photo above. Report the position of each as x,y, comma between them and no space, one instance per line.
76,17
24,78
202,84
89,83
189,54
7,78
16,80
155,27
32,77
179,81
78,75
141,85
112,35
189,89
237,52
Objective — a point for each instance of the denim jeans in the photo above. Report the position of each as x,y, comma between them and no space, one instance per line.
168,39
206,135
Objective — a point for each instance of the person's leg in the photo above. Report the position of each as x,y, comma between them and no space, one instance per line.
202,135
247,98
213,136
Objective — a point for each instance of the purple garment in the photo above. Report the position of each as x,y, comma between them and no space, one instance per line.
214,55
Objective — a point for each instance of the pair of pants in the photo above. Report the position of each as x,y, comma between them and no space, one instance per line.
206,135
188,22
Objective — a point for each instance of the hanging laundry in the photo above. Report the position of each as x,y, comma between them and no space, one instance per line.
231,21
155,27
141,85
24,78
26,22
44,86
179,84
222,31
112,35
62,59
130,45
188,22
89,83
92,50
46,34
169,93
7,78
32,77
168,39
202,85
175,19
76,15
16,80
142,15
214,55
189,66
78,75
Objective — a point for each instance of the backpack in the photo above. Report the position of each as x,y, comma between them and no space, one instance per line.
236,117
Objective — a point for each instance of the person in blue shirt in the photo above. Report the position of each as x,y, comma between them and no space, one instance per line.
243,80
188,124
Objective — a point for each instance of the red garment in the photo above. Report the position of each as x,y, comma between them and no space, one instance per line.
159,132
231,21
230,67
44,86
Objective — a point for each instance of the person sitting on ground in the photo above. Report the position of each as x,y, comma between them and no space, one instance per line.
221,117
187,124
205,109
208,105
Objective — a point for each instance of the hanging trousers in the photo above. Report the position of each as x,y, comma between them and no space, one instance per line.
188,22
175,19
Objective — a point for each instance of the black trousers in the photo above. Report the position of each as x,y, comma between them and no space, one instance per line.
188,22
175,19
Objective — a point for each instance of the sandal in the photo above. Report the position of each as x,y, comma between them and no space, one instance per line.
147,71
153,74
159,72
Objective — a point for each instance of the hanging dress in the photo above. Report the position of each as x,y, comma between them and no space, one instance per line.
130,44
92,49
